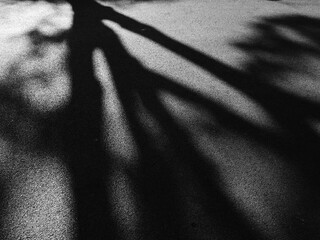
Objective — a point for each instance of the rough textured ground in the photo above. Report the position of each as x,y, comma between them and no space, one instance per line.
167,120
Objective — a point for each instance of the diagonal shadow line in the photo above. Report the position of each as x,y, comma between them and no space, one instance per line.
293,115
262,92
131,77
223,212
154,187
258,89
237,78
242,80
299,23
205,61
253,87
289,111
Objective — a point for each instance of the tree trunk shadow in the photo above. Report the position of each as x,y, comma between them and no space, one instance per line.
82,121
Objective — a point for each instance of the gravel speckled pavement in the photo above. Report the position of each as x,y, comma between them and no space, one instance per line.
177,119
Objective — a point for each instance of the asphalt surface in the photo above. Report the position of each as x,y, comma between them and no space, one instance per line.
167,120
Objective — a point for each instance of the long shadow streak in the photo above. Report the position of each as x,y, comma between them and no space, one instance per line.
131,79
287,109
87,160
300,142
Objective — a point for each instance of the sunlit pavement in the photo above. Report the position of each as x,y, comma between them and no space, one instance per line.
210,122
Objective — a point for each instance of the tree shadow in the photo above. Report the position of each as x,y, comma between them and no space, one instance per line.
156,181
81,132
291,110
299,142
283,45
284,58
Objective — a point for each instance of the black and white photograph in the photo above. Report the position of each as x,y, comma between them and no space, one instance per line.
159,119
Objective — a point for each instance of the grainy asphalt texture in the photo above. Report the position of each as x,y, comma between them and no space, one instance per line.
177,119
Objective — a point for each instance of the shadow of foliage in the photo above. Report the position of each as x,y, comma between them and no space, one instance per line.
83,140
155,180
281,45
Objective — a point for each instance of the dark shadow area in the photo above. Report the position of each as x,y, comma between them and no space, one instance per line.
133,80
299,143
283,45
2,196
155,180
285,58
81,130
290,110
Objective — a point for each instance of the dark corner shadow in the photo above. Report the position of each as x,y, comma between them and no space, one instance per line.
281,45
2,197
154,180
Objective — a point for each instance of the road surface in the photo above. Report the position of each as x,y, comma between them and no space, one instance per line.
167,120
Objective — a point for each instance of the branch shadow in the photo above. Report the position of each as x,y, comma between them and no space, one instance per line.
81,132
156,184
155,181
283,45
289,109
